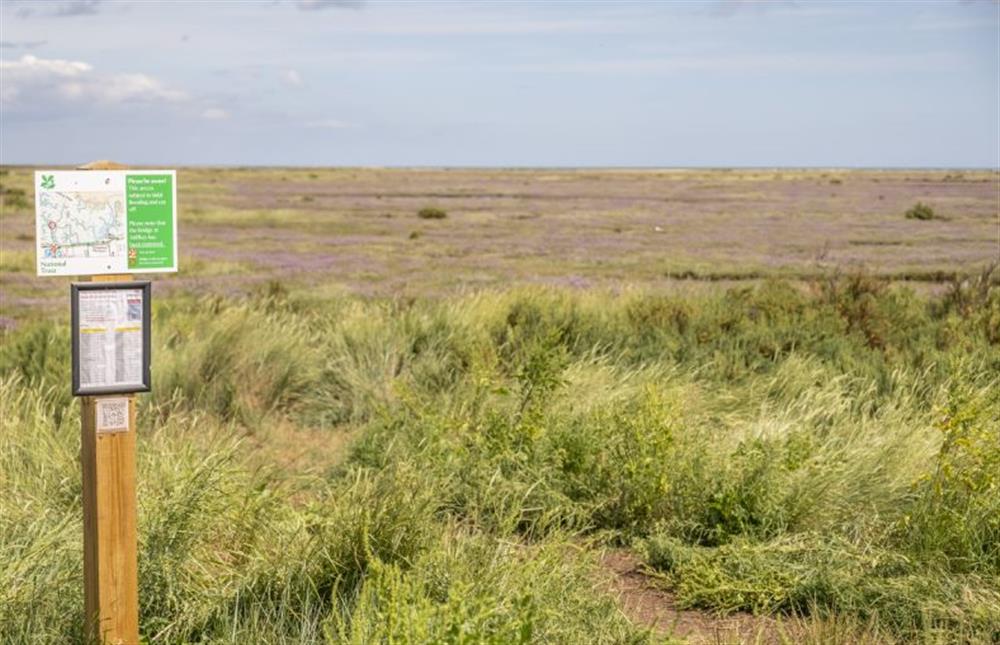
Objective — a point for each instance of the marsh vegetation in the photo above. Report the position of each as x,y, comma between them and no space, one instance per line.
321,464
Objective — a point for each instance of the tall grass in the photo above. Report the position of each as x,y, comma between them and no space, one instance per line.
828,452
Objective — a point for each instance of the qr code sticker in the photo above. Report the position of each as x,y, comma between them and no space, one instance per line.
134,310
112,415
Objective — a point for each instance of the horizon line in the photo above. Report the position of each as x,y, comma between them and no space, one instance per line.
510,167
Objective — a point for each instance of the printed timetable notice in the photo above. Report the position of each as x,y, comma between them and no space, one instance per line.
111,339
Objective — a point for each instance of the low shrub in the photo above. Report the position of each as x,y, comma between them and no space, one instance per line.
475,589
239,362
431,212
955,520
920,211
825,575
15,198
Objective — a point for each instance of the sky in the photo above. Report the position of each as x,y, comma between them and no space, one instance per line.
367,83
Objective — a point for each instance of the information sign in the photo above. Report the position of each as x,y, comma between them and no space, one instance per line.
92,222
111,337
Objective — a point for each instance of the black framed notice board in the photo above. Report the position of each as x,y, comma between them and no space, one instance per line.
111,337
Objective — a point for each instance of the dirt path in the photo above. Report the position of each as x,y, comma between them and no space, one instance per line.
646,604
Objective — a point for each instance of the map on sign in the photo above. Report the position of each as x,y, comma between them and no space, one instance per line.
82,225
98,222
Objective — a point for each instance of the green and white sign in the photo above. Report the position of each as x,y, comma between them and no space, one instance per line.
92,222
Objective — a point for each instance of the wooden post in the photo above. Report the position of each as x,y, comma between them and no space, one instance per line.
110,569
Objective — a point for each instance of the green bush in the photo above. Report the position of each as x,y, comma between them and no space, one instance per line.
808,573
955,518
40,355
238,362
472,591
15,198
431,212
920,211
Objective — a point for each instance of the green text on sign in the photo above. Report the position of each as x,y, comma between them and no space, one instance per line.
150,221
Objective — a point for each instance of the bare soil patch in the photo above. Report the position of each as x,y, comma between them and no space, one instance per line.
647,604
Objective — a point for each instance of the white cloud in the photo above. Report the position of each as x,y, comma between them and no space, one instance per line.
291,78
215,114
63,8
39,83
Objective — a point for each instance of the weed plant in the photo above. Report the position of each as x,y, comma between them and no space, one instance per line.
920,211
431,212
